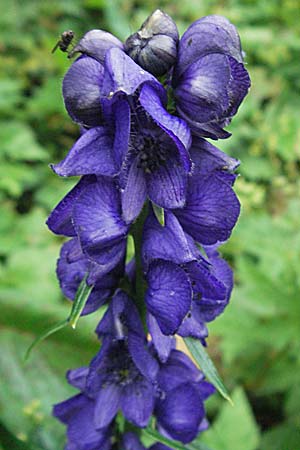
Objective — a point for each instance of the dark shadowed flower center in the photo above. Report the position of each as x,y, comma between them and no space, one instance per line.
151,154
120,368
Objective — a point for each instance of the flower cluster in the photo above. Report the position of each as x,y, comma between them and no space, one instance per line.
144,109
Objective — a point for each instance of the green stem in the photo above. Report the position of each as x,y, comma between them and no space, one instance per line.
140,284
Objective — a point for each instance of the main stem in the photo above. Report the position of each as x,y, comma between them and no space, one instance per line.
140,283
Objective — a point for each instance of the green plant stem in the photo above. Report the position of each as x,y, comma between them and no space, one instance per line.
140,284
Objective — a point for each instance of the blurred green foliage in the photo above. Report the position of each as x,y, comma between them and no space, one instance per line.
256,342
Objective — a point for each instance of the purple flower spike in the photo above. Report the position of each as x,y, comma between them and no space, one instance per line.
210,80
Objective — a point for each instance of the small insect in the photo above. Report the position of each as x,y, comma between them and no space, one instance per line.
65,40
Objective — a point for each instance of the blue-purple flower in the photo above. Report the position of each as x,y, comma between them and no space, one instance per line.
180,409
210,80
73,266
122,375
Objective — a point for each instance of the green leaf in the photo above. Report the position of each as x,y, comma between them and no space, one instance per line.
176,445
156,437
80,300
235,427
207,366
159,214
53,329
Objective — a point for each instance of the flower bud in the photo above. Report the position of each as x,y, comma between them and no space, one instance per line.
154,46
95,43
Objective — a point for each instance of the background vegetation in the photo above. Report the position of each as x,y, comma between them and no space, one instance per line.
256,342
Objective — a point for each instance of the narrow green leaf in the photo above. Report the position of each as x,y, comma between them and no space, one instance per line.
53,329
159,214
207,366
153,434
159,438
81,297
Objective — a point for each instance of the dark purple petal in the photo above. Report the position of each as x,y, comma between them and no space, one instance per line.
137,402
82,91
204,282
208,158
71,272
122,74
77,413
107,405
141,356
121,117
107,258
132,442
91,154
163,344
211,34
120,318
211,210
205,389
167,242
95,43
135,192
193,324
221,268
168,297
239,85
168,183
179,369
77,377
175,127
97,217
181,412
60,219
212,130
202,91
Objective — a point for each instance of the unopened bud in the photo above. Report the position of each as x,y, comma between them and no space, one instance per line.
154,46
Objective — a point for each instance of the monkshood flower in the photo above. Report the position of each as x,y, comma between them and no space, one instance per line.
180,409
145,146
154,46
210,80
212,208
73,266
179,276
92,211
180,280
78,414
122,375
